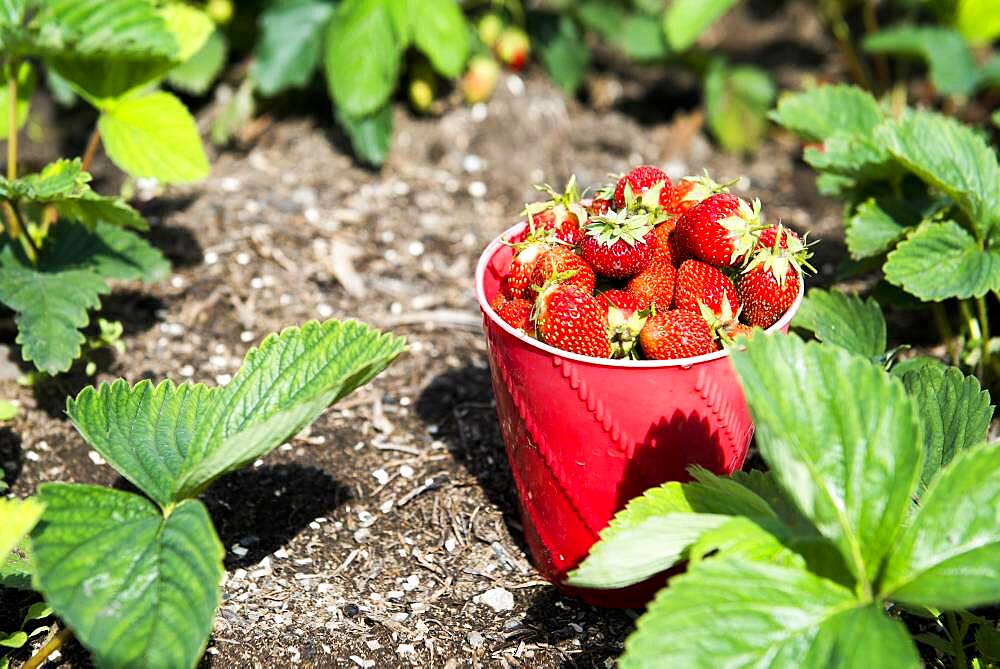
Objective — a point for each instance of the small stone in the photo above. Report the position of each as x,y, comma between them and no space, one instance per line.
239,551
411,583
362,535
475,639
381,475
243,258
515,85
406,471
498,599
472,163
477,189
324,310
351,610
479,111
281,554
364,664
416,248
406,649
96,458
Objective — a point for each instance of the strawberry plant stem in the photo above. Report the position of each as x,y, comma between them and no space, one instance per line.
881,64
91,151
12,121
50,647
958,648
944,331
984,326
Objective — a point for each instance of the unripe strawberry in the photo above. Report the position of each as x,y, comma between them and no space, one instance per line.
480,80
423,87
220,11
513,47
489,28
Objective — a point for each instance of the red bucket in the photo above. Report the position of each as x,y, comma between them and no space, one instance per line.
584,435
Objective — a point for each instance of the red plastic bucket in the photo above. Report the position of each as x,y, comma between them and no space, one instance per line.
584,436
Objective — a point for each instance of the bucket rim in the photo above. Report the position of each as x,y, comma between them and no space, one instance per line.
497,243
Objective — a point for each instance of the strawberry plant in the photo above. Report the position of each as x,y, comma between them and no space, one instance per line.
17,517
921,203
868,539
136,576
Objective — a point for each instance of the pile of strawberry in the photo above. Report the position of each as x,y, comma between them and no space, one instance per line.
649,269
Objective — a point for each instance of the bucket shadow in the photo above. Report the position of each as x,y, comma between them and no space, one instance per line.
11,456
668,449
460,403
262,508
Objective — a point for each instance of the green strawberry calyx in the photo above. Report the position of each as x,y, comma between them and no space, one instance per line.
623,332
778,260
743,228
555,280
621,225
705,186
722,320
647,203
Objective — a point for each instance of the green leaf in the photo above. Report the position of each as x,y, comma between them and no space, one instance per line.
137,589
291,40
955,412
25,89
8,411
197,73
858,157
64,185
106,48
948,156
978,20
876,225
685,20
12,12
440,32
842,438
154,136
843,320
363,53
172,441
640,37
189,26
937,261
370,135
739,613
562,50
745,539
948,57
736,104
655,529
605,19
13,640
17,517
819,113
949,555
51,300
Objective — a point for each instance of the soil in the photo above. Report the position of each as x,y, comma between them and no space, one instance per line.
367,540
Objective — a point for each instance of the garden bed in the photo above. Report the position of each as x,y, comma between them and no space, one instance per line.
388,532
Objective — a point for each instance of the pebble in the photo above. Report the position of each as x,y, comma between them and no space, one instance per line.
479,111
239,551
364,664
406,649
412,582
475,639
243,258
406,471
515,85
381,475
472,163
324,310
96,458
498,599
477,189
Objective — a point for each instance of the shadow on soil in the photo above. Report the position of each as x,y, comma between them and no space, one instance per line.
11,456
600,633
262,508
460,403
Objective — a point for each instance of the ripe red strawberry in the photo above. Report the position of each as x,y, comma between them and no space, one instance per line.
561,261
517,313
517,282
626,316
676,334
663,241
572,320
618,244
624,300
655,286
721,230
562,212
639,180
776,233
770,283
689,191
599,206
704,290
498,301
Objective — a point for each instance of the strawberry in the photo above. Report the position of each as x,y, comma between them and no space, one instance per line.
655,285
489,26
480,79
423,86
603,198
689,191
618,244
721,230
562,212
676,334
663,241
640,179
705,290
626,317
776,234
517,282
513,47
517,313
572,320
770,283
560,261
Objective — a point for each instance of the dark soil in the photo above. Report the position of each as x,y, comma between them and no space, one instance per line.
367,540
